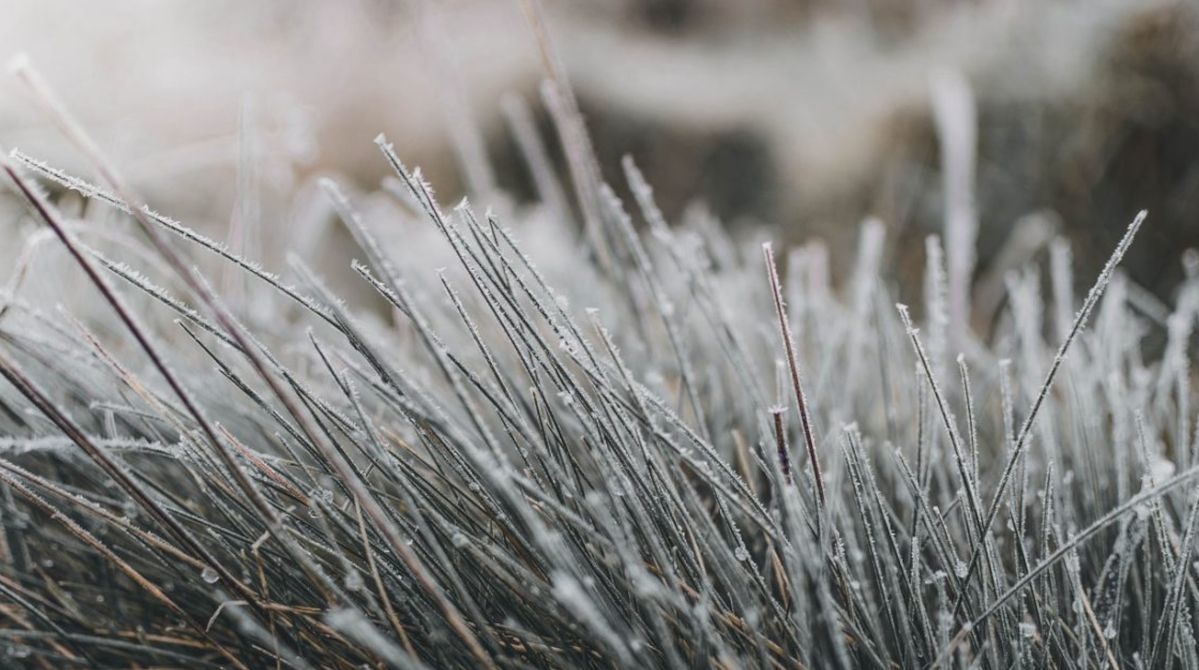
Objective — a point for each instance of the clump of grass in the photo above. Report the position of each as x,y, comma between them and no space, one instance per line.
661,450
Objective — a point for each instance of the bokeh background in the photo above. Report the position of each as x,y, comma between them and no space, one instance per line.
789,119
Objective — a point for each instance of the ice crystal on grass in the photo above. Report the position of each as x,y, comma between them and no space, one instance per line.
581,455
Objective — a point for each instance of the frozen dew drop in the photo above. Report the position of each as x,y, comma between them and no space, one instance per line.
209,575
741,554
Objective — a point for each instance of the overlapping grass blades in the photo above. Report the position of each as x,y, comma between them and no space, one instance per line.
574,462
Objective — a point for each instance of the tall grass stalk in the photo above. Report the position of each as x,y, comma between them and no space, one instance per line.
563,455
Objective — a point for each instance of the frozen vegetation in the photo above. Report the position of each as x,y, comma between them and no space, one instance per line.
603,440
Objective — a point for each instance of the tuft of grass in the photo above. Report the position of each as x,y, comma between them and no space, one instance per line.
582,459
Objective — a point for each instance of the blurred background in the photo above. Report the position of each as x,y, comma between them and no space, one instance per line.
789,119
